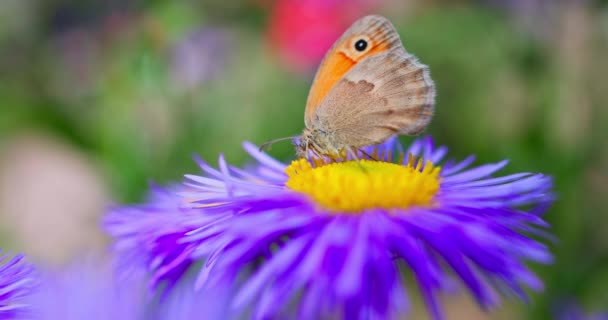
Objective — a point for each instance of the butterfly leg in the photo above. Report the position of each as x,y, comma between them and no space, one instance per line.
307,153
371,157
353,154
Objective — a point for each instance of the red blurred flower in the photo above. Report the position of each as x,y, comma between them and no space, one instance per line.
301,31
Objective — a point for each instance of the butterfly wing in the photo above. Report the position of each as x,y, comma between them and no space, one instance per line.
380,36
385,94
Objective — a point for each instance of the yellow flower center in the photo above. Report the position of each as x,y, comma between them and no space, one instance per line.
354,186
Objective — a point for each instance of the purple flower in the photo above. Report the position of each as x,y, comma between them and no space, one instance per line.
17,281
185,304
149,236
199,57
91,289
87,290
572,311
319,239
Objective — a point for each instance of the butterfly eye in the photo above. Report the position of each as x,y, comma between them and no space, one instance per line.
360,45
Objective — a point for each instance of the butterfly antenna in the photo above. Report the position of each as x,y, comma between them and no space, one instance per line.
268,144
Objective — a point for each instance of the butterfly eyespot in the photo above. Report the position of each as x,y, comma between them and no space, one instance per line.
360,45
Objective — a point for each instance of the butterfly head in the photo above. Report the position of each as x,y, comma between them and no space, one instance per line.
318,143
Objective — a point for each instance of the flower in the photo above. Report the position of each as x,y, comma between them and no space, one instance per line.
199,57
147,236
568,310
185,304
87,290
322,238
17,281
91,289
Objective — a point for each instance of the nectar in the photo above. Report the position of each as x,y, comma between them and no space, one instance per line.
355,186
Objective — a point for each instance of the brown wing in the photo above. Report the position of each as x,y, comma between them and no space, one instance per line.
380,36
385,94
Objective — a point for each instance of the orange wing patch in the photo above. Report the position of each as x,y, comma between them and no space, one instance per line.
331,70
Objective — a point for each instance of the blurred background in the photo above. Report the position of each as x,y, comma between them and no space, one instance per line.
100,98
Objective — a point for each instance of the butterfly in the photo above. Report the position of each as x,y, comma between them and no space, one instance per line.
367,89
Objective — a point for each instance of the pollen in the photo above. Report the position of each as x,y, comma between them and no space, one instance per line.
356,186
